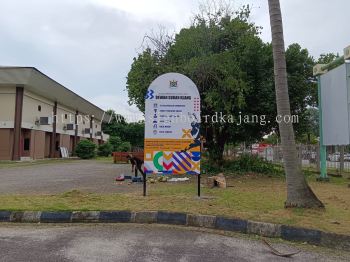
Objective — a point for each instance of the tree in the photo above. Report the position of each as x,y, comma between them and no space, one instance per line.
301,88
327,58
135,133
124,147
308,129
117,126
299,194
232,67
115,142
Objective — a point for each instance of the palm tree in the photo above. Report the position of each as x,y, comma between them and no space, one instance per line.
299,194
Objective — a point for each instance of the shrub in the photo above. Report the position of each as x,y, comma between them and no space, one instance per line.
115,141
244,164
124,147
105,149
86,149
251,163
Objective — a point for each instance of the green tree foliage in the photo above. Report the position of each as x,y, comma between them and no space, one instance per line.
115,142
117,126
124,147
118,145
302,90
135,133
243,164
309,127
233,69
105,149
86,149
327,58
272,139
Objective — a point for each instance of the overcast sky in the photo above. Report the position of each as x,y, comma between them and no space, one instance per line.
88,45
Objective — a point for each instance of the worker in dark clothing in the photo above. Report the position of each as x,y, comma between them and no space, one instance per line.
136,164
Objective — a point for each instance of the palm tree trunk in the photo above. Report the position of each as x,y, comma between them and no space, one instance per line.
299,194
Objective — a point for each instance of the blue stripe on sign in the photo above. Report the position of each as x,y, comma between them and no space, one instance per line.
185,160
187,154
176,167
185,168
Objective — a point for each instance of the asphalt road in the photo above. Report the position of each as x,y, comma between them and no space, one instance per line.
125,242
88,176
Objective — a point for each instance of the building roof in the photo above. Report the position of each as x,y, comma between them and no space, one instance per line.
37,82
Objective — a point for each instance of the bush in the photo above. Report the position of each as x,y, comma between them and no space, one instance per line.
124,147
105,149
244,164
251,163
115,141
86,149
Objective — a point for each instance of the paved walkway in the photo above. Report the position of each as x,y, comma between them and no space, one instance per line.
52,178
124,242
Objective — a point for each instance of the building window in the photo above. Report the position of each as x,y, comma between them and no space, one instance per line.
96,126
26,146
65,116
39,108
83,122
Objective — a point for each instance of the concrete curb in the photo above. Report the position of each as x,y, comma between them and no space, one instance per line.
296,234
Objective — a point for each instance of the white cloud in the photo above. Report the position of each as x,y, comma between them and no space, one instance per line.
177,12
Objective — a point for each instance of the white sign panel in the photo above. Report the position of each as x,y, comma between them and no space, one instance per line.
335,106
172,129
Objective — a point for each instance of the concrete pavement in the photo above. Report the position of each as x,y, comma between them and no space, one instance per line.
126,242
52,178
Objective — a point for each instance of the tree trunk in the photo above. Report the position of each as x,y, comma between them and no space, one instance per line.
216,146
299,194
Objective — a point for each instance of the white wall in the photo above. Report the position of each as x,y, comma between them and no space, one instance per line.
7,106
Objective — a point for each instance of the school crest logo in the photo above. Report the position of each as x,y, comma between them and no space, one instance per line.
173,84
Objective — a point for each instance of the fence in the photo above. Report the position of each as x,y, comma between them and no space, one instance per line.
121,156
308,155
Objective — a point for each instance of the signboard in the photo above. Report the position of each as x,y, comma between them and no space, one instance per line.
335,87
172,128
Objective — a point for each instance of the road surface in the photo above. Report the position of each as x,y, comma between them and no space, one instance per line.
126,242
84,175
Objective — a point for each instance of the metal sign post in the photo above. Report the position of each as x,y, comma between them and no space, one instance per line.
199,185
323,150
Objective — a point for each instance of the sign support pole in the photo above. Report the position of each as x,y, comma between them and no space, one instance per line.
144,185
323,150
199,174
199,185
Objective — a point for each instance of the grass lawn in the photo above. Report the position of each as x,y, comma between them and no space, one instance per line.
253,197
